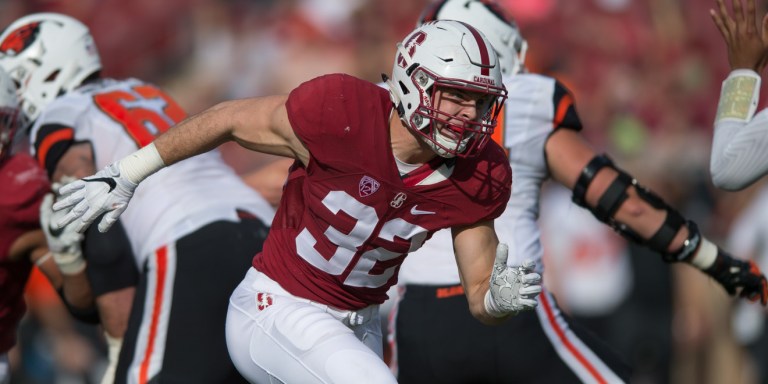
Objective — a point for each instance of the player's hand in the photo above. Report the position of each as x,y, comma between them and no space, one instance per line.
739,277
746,40
63,243
512,289
88,198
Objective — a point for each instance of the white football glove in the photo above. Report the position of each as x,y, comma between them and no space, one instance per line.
106,191
512,289
63,243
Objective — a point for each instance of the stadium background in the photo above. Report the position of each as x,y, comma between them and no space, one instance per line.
646,76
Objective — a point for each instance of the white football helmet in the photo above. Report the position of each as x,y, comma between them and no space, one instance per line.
47,54
446,54
492,20
9,114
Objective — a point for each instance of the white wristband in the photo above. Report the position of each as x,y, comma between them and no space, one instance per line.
69,263
491,307
739,96
142,163
706,255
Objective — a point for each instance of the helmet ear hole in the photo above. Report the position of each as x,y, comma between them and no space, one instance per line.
52,76
403,88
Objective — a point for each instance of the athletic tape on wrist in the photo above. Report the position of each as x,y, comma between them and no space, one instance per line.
739,96
69,263
706,255
142,163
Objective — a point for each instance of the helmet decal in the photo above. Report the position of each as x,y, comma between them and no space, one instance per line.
413,41
21,38
47,55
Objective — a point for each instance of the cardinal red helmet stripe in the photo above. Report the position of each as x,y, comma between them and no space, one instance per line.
485,61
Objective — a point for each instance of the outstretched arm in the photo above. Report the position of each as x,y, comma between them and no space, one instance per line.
260,124
738,148
617,199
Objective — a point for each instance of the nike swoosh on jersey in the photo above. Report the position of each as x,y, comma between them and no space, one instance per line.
415,211
110,181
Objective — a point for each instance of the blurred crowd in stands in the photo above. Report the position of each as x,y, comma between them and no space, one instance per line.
646,75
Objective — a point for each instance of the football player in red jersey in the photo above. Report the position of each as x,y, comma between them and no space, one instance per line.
161,278
23,185
376,173
540,127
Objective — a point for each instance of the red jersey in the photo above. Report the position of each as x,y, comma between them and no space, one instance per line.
346,221
22,187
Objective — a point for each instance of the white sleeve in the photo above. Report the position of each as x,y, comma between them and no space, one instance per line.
739,152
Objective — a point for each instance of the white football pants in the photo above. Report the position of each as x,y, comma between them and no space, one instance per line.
275,337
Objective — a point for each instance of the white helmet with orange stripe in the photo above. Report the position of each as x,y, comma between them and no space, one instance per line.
447,54
47,54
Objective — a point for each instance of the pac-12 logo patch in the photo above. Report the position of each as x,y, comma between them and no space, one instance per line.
368,186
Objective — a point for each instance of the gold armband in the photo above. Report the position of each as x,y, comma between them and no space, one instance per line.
738,99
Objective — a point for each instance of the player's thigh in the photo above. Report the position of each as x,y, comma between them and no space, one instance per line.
278,337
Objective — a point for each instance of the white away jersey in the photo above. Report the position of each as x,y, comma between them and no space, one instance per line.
117,118
536,106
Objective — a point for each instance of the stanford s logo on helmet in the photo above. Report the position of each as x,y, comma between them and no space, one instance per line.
46,55
410,46
447,55
490,18
415,39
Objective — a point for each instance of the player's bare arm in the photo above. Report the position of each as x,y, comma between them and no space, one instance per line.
567,155
506,290
260,124
475,247
114,307
76,162
745,36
